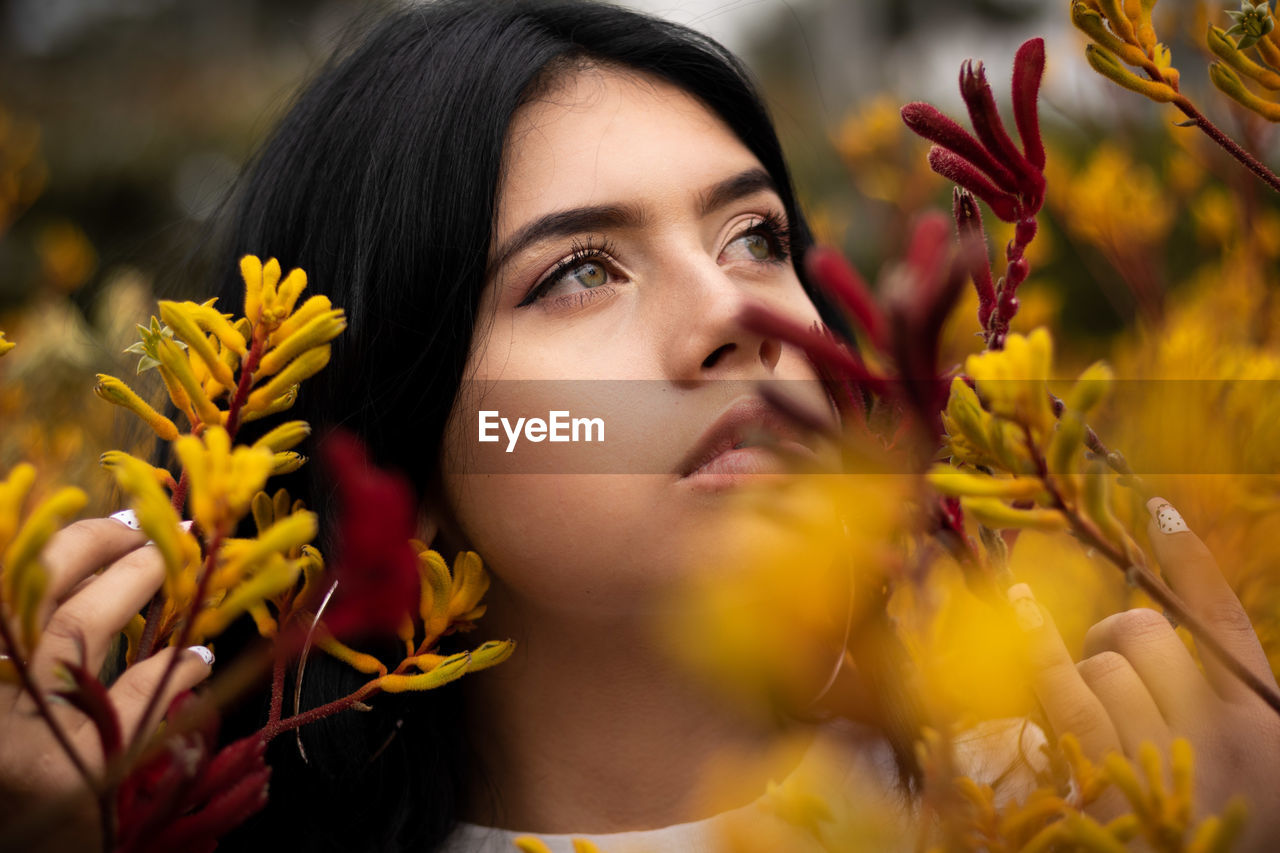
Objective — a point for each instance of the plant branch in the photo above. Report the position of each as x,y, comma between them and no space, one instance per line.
277,687
42,706
184,633
1139,573
1253,164
277,727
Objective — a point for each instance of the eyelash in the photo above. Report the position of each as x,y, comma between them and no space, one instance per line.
602,253
771,225
776,230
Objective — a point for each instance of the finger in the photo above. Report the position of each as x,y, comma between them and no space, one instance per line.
134,688
78,550
1146,639
1194,574
87,621
1068,702
1129,704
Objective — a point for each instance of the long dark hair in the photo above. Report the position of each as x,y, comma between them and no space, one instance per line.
381,183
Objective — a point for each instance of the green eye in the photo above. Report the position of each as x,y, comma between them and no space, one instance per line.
589,274
758,246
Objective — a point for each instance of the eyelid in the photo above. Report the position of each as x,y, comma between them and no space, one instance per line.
582,252
774,224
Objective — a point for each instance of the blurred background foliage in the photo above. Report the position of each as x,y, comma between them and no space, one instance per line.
123,122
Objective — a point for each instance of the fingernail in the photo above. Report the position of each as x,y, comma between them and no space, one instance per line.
1025,608
185,525
128,518
204,652
1166,517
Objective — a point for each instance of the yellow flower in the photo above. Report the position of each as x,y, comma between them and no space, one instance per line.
1122,30
268,301
22,576
114,391
448,598
5,346
223,481
1013,382
179,549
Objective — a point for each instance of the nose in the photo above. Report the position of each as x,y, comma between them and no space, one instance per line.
705,338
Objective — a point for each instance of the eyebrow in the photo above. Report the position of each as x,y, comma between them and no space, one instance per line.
600,217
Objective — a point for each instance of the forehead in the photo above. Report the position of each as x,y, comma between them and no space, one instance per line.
601,135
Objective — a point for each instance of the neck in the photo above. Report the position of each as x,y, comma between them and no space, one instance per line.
592,728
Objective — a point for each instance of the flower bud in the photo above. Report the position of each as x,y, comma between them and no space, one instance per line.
1227,51
116,392
179,319
998,515
284,437
1227,81
306,365
1106,64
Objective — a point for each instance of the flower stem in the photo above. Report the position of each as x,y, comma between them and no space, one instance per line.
1253,164
184,633
279,726
247,370
277,688
1157,589
1114,458
42,706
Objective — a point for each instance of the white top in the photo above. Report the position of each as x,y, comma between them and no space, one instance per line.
853,771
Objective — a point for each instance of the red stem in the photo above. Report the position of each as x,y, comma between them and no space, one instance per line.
1253,164
247,370
1156,588
151,625
184,634
277,688
279,726
42,708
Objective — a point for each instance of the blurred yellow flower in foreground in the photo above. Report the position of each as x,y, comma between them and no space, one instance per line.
772,600
23,578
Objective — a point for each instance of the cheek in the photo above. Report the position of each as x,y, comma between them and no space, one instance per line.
573,543
567,526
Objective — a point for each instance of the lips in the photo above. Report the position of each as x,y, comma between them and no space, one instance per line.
738,440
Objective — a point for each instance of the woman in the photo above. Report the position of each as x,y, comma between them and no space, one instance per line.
503,197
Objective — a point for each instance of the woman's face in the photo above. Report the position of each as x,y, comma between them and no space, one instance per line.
632,226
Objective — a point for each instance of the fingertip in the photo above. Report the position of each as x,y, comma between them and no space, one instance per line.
203,653
1165,518
1025,607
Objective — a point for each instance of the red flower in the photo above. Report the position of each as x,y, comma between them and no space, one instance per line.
184,798
375,565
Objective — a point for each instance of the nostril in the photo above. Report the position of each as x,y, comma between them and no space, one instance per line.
770,352
710,361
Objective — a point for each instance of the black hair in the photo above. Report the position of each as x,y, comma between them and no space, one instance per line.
381,182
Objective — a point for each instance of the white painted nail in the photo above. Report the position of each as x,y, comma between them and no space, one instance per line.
128,518
185,525
1025,608
1168,519
204,652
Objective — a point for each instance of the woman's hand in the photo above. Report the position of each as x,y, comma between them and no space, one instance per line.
1137,682
82,612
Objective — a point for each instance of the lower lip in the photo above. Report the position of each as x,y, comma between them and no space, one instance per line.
738,467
